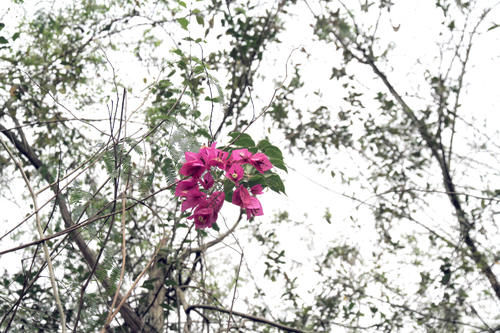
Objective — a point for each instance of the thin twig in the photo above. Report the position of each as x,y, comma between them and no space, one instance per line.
40,233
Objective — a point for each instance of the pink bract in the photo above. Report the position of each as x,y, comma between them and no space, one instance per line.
207,181
240,156
208,210
261,162
193,168
251,204
213,156
256,189
235,173
184,186
193,198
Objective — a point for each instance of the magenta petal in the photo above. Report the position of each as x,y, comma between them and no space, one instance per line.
236,200
194,168
207,181
190,156
261,162
184,186
256,189
235,173
203,218
240,156
193,198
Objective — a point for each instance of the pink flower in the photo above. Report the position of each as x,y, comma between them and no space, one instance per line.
240,156
216,200
184,186
251,204
261,162
193,167
208,210
213,156
203,218
190,156
256,189
192,199
235,173
255,211
207,181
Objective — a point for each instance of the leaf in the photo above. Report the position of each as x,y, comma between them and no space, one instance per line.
228,190
200,20
278,164
257,179
243,139
3,40
275,183
183,22
493,27
2,25
263,144
273,153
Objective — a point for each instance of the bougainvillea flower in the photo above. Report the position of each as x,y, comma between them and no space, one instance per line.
203,217
261,162
193,198
255,211
184,186
190,156
242,198
216,200
256,189
240,156
208,210
213,156
194,168
235,173
207,181
251,204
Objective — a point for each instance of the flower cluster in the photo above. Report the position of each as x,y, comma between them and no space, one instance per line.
199,193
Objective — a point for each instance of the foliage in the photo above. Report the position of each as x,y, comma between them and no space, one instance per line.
101,99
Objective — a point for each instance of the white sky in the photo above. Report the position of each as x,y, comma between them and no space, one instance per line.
310,192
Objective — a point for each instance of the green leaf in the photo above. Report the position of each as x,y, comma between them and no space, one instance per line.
278,163
16,35
257,179
263,144
228,190
275,183
489,29
2,25
3,40
215,226
183,22
204,132
243,140
200,20
273,153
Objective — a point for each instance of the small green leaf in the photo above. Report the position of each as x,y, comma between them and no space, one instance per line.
228,190
16,35
200,20
183,22
278,163
215,226
242,140
263,144
275,183
273,152
257,179
2,25
3,40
